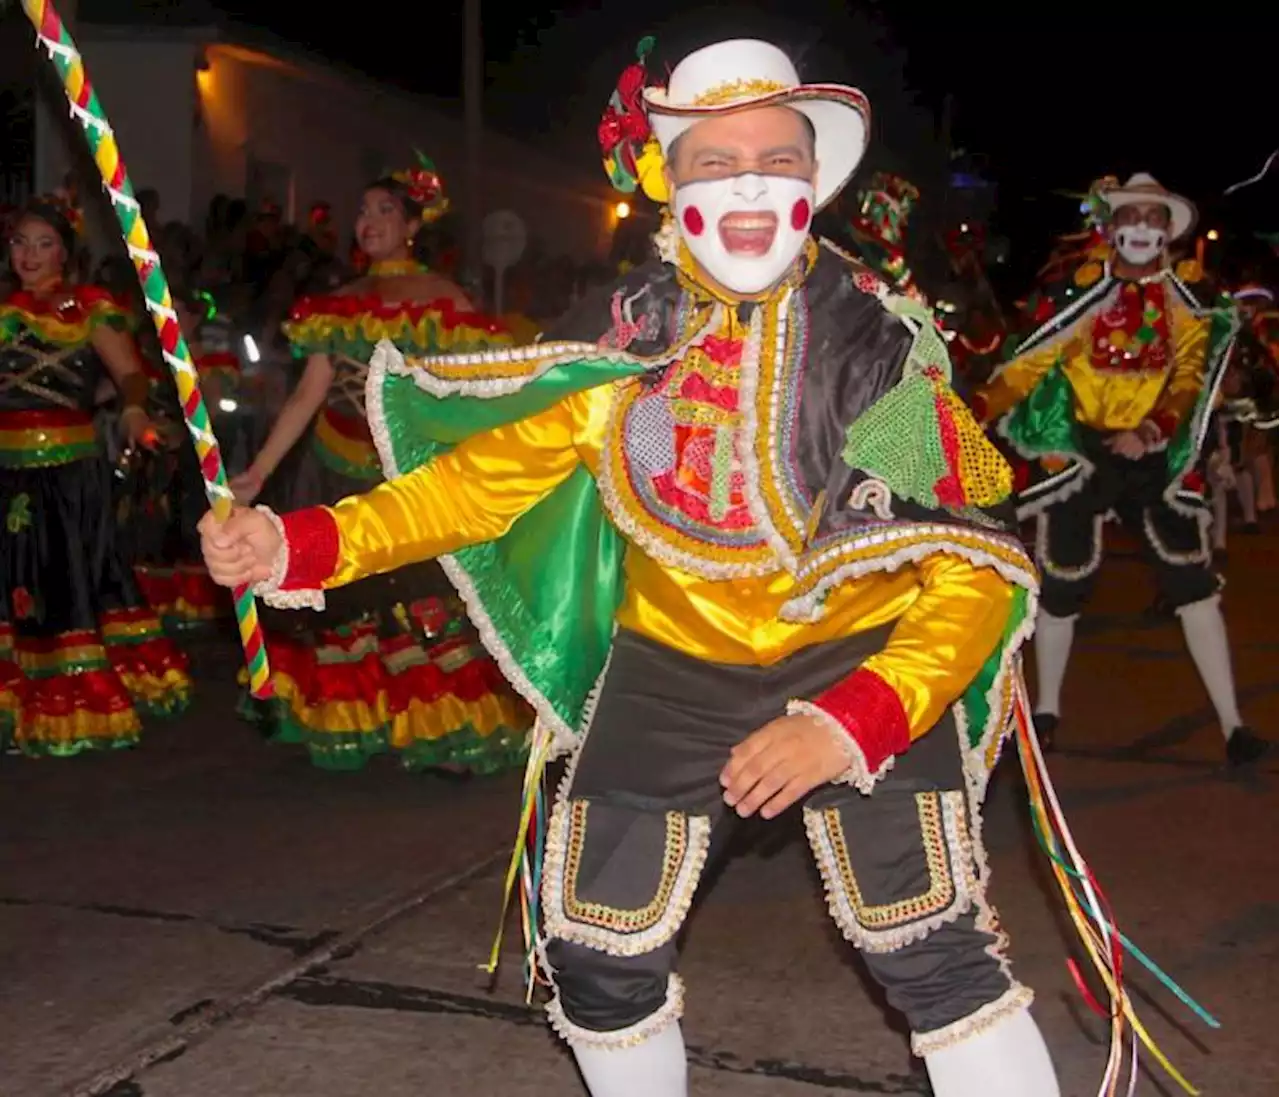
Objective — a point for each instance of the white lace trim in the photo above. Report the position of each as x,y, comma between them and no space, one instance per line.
1066,573
269,589
966,889
808,607
858,774
618,942
671,1010
749,437
1013,1000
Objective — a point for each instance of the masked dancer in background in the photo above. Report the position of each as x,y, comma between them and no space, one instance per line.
1111,396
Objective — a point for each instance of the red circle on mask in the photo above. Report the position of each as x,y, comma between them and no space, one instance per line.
800,214
693,222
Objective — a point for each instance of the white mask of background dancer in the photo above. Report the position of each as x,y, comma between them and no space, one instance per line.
745,230
1141,243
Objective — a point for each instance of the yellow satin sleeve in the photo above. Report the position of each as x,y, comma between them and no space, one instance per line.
1190,344
1015,380
470,495
944,637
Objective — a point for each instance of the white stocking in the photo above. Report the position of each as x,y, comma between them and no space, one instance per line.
1266,485
1206,633
1248,495
1220,518
655,1067
1009,1059
1053,650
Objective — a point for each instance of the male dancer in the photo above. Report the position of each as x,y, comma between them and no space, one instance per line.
738,491
1111,393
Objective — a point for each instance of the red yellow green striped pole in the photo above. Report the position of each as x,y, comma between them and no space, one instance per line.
87,110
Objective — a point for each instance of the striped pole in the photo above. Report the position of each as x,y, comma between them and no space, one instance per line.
87,110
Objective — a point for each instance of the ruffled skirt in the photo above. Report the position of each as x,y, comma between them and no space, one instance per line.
82,656
391,665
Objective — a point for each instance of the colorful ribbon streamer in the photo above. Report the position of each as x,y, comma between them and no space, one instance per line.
1091,914
87,110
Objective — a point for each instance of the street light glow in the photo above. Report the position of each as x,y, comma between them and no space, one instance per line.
622,210
1212,234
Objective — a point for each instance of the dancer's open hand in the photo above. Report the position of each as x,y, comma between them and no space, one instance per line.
779,764
240,550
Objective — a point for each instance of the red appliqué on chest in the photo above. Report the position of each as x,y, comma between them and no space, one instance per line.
1131,335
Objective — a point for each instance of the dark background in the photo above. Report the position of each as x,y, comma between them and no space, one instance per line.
1047,97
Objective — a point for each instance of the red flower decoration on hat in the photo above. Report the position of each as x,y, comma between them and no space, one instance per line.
624,126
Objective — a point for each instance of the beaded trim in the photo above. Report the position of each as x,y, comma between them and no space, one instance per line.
772,372
671,1010
620,931
1013,1000
663,542
887,927
892,547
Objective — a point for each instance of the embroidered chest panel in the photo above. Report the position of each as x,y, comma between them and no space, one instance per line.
699,465
1130,333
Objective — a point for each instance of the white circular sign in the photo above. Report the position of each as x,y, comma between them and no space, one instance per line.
505,238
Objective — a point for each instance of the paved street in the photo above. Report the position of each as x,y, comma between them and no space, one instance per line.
210,917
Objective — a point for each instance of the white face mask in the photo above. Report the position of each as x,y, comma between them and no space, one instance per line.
746,230
1140,244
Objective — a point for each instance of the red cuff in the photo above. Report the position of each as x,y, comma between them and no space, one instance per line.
1165,422
311,540
869,710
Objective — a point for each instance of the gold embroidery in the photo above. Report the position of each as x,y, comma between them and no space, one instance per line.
942,888
665,543
908,543
775,388
618,919
733,90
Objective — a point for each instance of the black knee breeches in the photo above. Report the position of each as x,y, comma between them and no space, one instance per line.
642,814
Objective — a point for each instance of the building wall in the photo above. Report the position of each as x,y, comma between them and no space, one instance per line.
315,134
147,90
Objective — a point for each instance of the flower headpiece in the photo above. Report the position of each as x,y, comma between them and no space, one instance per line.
62,201
632,155
425,188
1095,207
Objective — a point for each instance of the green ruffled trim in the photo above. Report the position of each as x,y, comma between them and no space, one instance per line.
975,701
350,751
339,751
79,746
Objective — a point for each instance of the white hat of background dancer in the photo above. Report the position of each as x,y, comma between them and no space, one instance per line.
1142,189
744,73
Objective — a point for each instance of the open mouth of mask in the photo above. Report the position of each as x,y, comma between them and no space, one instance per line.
746,230
1140,243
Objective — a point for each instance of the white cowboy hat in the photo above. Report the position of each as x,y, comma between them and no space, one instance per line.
1142,189
744,73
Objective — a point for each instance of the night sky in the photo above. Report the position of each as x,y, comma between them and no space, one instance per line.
1053,99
